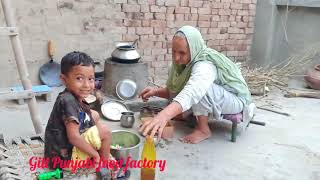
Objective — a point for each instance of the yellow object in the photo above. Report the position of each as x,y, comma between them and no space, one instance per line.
92,137
149,153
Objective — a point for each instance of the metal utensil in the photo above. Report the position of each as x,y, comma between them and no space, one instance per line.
127,119
126,89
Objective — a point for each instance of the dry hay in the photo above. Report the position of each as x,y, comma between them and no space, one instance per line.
259,79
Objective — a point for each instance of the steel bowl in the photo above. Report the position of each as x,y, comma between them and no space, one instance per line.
129,143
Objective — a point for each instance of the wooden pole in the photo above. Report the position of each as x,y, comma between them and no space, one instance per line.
21,64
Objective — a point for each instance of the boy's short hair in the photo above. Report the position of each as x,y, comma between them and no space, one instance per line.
73,59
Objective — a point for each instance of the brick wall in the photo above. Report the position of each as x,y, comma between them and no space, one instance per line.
226,25
95,26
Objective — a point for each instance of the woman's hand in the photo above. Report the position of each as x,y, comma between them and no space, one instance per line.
147,92
154,126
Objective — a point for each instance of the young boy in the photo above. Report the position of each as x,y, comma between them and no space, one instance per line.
73,130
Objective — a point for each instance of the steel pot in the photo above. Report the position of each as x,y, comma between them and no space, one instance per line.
129,143
125,53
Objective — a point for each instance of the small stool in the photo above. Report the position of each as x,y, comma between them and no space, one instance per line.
235,119
41,90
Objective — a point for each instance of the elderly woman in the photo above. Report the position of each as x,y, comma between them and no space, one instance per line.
201,79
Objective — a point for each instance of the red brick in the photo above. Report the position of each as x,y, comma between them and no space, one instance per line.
194,10
143,2
204,11
158,23
179,17
222,36
160,30
245,6
144,30
231,41
145,8
148,16
172,3
130,8
146,23
158,45
182,10
242,24
217,5
204,17
224,12
252,6
132,2
131,30
204,30
252,12
184,3
156,37
145,44
242,13
132,23
151,2
146,51
214,31
129,37
233,24
170,24
159,51
213,43
223,24
161,16
224,18
238,36
159,63
246,1
204,24
215,18
223,30
232,53
230,48
160,2
236,6
170,10
135,15
226,5
191,17
215,11
232,30
194,3
159,9
169,17
120,1
214,24
234,12
249,30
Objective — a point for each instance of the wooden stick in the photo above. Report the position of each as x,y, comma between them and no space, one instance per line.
308,94
274,111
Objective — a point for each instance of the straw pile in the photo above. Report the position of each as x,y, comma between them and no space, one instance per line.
260,79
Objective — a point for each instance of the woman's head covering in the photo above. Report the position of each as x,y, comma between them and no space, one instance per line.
228,72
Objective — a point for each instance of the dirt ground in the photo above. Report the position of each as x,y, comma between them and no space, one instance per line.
286,148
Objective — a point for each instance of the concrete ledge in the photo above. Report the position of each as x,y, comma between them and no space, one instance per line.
303,3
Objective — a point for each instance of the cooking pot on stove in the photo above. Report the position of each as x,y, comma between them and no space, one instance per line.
125,53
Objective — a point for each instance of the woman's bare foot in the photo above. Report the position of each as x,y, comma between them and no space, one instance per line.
196,136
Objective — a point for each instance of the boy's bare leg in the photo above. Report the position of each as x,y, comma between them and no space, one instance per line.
200,133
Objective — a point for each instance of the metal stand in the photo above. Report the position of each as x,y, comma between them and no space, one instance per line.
12,32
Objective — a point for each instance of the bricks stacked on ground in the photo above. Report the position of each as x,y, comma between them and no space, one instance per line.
226,25
95,26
